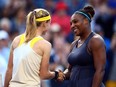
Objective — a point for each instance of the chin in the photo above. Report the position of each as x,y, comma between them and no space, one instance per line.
77,34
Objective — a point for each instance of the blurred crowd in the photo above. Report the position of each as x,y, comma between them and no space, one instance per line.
12,23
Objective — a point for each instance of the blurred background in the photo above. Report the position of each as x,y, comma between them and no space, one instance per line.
12,23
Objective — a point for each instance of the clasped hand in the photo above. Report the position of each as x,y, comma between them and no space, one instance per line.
61,76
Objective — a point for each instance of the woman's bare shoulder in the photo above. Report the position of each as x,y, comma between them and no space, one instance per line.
16,41
96,41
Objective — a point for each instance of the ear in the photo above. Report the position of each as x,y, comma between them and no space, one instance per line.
86,22
44,24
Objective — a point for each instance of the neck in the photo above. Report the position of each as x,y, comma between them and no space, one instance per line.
85,35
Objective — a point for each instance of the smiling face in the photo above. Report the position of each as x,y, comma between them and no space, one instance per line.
77,24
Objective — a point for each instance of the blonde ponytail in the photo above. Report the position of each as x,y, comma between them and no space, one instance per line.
30,27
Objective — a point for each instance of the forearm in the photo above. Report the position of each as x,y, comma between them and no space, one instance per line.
97,79
50,75
47,75
8,78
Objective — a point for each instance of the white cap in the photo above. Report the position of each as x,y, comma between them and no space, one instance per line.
55,27
5,22
3,35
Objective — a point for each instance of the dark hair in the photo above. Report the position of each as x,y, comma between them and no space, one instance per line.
88,10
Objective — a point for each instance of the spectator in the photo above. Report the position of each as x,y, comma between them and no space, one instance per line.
4,49
5,24
111,54
3,66
3,60
107,20
61,17
19,21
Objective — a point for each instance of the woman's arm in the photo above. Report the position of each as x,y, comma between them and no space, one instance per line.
10,63
9,69
45,73
97,47
67,72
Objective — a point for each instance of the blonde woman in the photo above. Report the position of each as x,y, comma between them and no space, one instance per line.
30,52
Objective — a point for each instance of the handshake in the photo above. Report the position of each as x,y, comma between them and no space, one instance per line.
59,76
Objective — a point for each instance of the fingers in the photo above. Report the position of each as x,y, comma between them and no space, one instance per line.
60,79
61,76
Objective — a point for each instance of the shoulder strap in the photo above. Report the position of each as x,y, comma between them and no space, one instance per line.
73,44
90,36
22,39
33,41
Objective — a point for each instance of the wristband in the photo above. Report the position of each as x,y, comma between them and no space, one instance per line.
56,75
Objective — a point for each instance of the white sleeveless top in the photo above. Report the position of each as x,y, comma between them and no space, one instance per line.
26,66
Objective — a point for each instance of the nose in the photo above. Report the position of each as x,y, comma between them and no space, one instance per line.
72,26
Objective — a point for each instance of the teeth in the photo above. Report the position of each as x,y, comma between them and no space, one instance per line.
75,30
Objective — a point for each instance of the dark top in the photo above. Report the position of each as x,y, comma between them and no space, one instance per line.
82,65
